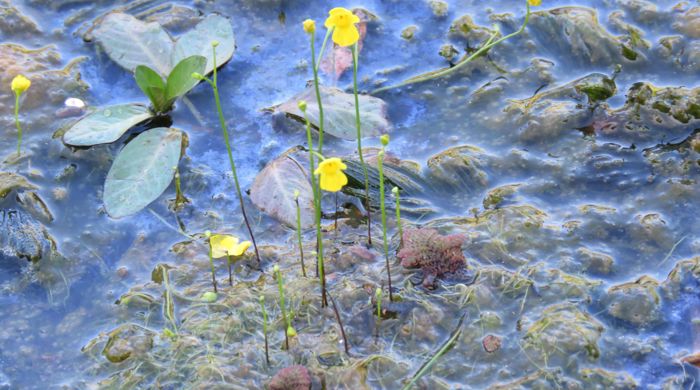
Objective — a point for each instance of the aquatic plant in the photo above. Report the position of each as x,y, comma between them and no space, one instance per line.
264,315
291,378
209,297
432,252
213,82
289,332
490,43
299,240
399,226
330,170
382,205
317,207
19,85
211,260
224,245
310,28
378,298
162,68
342,22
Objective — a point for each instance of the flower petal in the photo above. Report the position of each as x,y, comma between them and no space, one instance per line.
346,36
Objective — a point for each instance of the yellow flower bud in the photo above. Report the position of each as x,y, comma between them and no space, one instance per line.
384,139
209,297
291,332
20,84
296,194
534,3
197,76
215,43
309,26
395,190
302,105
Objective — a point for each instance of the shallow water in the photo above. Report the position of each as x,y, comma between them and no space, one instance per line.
601,202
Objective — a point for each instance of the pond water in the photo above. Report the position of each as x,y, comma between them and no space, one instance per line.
567,160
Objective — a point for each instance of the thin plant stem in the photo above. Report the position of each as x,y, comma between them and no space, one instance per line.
229,260
318,92
317,208
301,248
359,142
340,323
211,263
224,128
433,75
264,313
380,167
323,47
19,128
283,306
398,215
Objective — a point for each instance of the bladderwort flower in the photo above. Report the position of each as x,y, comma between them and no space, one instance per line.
331,174
224,245
343,21
534,3
19,85
213,82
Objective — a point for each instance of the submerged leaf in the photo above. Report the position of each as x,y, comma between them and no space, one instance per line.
198,42
142,171
130,42
273,191
106,125
339,112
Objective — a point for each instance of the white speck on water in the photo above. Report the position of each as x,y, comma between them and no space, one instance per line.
74,102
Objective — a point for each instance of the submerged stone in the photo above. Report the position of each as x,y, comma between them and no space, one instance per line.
637,303
11,181
596,262
22,237
562,330
579,33
126,341
598,378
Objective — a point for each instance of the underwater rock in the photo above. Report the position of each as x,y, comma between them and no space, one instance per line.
11,181
22,237
660,105
637,303
32,203
498,195
596,262
291,378
598,378
439,8
465,27
582,36
562,330
463,168
128,340
683,278
433,253
13,22
689,23
409,32
491,343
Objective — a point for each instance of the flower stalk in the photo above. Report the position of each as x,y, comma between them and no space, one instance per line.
264,314
359,141
211,260
397,196
299,240
382,205
19,85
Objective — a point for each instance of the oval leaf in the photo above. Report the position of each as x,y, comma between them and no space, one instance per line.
152,84
180,80
198,42
106,125
273,191
142,171
339,112
130,42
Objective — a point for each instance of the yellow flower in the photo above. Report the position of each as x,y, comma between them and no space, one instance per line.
309,26
223,245
343,21
534,3
20,84
332,177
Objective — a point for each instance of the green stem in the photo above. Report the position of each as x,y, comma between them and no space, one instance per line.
317,64
283,306
378,296
317,209
224,128
488,45
359,142
264,313
318,91
19,128
301,248
213,269
380,167
398,216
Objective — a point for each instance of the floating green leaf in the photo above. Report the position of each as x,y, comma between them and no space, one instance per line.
198,42
106,124
152,84
273,190
130,42
339,112
142,171
180,80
